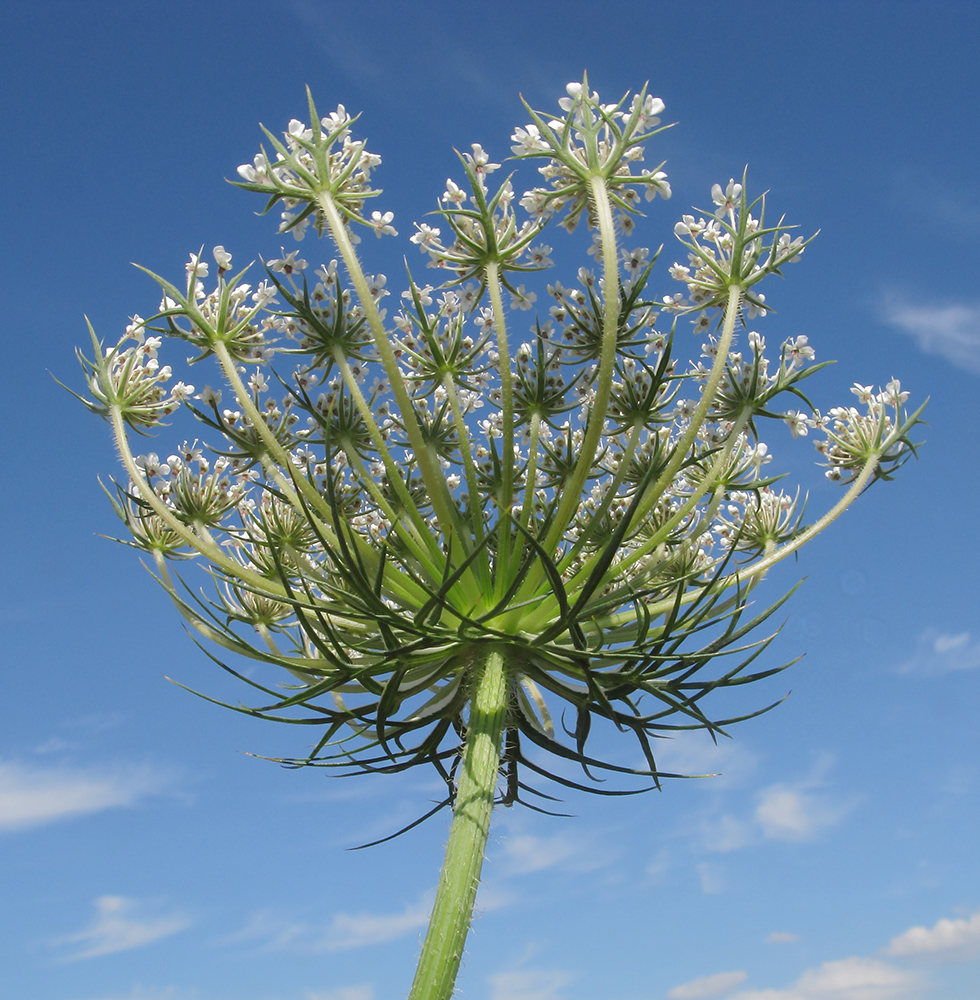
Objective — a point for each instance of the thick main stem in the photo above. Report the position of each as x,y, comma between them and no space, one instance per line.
476,786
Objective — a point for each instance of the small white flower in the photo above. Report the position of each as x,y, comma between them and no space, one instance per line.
209,396
381,224
426,236
180,392
288,264
797,423
222,258
522,299
528,140
726,200
195,267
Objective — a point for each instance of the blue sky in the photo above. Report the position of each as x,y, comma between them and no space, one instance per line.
144,857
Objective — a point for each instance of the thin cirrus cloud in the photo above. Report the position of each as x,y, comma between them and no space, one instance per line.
951,330
942,652
524,853
139,992
344,993
32,796
121,924
343,932
788,811
708,986
530,984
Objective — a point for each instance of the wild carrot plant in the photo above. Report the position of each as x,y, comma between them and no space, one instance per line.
451,528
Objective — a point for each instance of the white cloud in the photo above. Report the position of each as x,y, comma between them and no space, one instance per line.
355,930
712,879
790,811
31,795
946,939
523,854
120,927
846,979
782,937
344,993
795,812
530,985
165,993
724,764
726,833
707,986
951,330
657,868
943,652
492,896
343,932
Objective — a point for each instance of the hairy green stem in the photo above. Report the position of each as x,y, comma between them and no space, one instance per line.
432,475
572,492
201,540
276,451
506,499
476,787
420,533
475,518
707,398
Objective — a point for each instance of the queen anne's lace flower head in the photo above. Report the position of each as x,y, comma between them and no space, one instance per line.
483,467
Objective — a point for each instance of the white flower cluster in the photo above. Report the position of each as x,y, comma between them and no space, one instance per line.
591,137
412,488
310,162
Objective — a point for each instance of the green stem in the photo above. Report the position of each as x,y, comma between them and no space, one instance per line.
476,786
707,398
431,474
572,492
763,565
416,532
276,452
201,540
506,499
475,519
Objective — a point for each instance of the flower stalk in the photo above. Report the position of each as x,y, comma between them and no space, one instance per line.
476,786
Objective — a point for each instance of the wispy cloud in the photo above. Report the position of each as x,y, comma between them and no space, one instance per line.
790,811
355,930
950,940
342,932
951,329
712,878
524,853
782,937
800,811
786,812
727,833
344,993
121,924
31,795
870,978
707,986
725,764
159,993
942,652
529,985
846,979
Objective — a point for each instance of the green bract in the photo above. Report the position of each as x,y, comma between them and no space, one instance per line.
464,545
